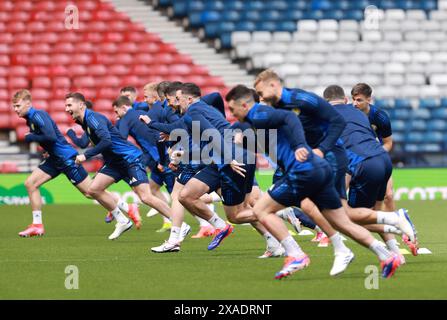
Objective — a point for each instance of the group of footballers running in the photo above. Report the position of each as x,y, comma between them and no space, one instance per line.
320,146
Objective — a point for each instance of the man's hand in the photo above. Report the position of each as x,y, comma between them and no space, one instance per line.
172,166
163,137
237,167
145,119
238,138
160,168
318,152
301,154
176,156
80,158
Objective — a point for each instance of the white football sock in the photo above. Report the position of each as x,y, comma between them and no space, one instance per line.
390,218
380,250
391,229
123,205
215,197
37,217
338,243
217,222
166,220
119,216
202,222
174,236
292,247
272,242
392,245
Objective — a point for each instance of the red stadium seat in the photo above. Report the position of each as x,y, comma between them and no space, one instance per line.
107,59
85,47
89,93
56,26
148,47
45,6
131,80
129,47
199,70
4,16
16,26
87,81
180,69
124,58
41,48
141,70
61,82
61,117
61,58
5,121
23,5
64,47
36,26
103,105
77,70
23,38
97,70
93,37
108,47
40,104
21,131
103,15
87,5
41,82
5,104
6,6
56,106
17,82
118,26
6,37
4,60
97,26
144,58
108,93
39,71
19,48
118,69
8,166
20,59
81,58
3,82
40,94
40,59
110,81
164,58
46,37
58,70
4,71
4,96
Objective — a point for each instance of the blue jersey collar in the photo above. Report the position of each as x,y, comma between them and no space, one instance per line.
285,95
31,112
252,111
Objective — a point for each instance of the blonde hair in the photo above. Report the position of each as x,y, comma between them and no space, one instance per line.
266,75
21,94
151,86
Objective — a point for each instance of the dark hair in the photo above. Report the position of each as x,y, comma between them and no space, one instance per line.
238,92
76,96
361,88
173,87
128,89
121,101
255,95
334,92
161,88
191,89
89,104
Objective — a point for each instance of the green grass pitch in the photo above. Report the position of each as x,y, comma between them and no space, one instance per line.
34,268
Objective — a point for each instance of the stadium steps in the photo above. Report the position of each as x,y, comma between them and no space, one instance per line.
217,63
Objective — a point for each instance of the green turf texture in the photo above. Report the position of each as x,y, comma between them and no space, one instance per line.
34,268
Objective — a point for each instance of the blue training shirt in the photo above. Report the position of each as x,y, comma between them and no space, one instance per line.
45,131
380,122
107,140
290,136
321,122
358,137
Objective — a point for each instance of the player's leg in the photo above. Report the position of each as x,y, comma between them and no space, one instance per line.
155,183
37,178
389,204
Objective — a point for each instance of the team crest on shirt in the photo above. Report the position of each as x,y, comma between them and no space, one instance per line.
297,111
33,127
374,127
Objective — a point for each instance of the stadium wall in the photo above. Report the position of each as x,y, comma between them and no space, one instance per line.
409,184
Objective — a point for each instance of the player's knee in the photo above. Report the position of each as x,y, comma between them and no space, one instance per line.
232,218
389,195
185,196
30,185
93,192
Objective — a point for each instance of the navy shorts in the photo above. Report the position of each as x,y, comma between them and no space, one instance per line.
369,180
316,184
234,187
209,175
339,164
188,172
277,175
166,177
75,173
133,173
